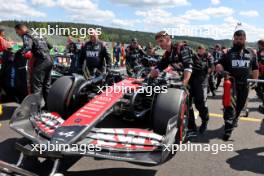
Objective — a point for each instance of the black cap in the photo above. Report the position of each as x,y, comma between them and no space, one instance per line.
19,26
201,47
240,33
134,40
218,45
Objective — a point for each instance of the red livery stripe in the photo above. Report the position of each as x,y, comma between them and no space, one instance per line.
90,112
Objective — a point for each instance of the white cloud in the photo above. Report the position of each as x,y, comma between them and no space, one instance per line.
152,3
195,15
79,10
153,12
207,14
249,14
85,16
159,18
224,30
18,9
124,23
215,2
254,33
219,11
77,4
48,3
231,20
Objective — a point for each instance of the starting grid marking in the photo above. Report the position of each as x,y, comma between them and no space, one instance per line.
246,119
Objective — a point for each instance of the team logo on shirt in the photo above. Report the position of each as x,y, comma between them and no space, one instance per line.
247,55
92,53
240,63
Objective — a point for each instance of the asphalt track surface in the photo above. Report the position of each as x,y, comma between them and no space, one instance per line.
246,159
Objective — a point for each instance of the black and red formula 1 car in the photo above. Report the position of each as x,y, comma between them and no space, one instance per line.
134,125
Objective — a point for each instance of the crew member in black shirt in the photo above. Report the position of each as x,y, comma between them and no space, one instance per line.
37,50
202,67
241,63
175,55
94,55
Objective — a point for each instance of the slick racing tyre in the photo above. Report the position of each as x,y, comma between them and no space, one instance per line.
58,94
167,105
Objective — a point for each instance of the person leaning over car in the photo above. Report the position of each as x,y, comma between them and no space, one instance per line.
37,49
241,63
174,55
94,55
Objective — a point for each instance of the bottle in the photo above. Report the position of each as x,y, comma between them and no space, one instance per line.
227,93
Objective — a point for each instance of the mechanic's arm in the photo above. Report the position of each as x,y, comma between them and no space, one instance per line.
128,56
4,43
187,63
255,68
255,74
113,52
49,45
142,52
186,77
107,57
210,64
162,65
82,63
222,64
82,56
27,44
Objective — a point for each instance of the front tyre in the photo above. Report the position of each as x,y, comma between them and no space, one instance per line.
168,105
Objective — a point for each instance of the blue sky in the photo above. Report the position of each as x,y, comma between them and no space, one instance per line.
207,18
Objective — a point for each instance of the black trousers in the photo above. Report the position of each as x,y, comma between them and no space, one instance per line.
74,68
41,77
238,101
198,95
211,83
117,58
219,79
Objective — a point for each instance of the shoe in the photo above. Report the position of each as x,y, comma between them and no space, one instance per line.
203,127
226,136
213,94
235,123
191,133
261,109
